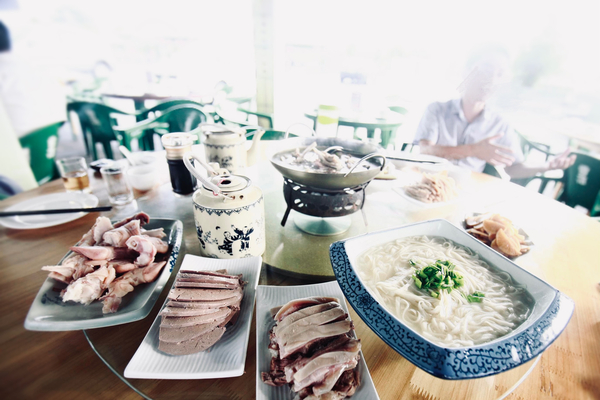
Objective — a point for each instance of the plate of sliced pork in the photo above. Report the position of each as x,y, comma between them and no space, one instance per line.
112,276
202,329
306,347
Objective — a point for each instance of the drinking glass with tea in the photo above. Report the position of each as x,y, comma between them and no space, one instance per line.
74,173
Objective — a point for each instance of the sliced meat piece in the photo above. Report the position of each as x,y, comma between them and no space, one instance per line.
189,294
118,237
187,312
340,343
207,285
320,318
101,226
142,216
209,273
305,312
157,233
319,368
188,277
180,322
192,346
122,266
161,246
298,304
289,345
144,247
126,282
90,287
176,335
231,301
74,267
101,252
347,383
330,379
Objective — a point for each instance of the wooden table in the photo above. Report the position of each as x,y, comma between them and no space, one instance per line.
62,365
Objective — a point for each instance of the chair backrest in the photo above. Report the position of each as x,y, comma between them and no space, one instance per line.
527,146
163,106
582,182
271,135
42,144
179,118
97,124
183,117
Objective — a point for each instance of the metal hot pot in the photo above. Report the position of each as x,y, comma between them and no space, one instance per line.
369,154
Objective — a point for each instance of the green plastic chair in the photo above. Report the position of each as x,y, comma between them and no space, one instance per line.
389,135
98,126
581,183
265,120
179,118
42,144
272,135
225,119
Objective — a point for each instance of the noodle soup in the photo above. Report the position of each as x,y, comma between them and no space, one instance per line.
484,303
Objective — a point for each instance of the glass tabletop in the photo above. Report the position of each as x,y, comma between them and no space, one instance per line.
287,262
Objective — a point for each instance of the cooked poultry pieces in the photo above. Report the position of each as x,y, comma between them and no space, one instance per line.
314,351
314,160
199,309
499,233
105,251
433,188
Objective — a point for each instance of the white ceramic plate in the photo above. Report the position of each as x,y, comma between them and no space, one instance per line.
49,313
268,297
400,190
49,202
223,360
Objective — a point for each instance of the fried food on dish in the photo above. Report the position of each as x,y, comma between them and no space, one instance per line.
499,233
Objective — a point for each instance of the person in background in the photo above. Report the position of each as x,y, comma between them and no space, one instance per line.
31,95
470,134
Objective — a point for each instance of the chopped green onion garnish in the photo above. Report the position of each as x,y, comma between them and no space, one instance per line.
436,277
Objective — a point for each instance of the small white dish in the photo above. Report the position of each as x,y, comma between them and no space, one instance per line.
268,297
49,202
223,360
142,177
400,190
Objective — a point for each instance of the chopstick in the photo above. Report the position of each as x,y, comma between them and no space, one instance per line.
412,160
60,211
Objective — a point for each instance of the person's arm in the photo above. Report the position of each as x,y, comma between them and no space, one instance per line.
522,170
485,150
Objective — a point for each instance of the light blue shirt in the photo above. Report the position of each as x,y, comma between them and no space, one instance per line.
445,124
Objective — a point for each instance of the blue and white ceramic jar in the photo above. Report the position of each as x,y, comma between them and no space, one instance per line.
227,146
229,213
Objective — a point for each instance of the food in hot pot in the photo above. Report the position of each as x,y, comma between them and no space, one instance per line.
312,159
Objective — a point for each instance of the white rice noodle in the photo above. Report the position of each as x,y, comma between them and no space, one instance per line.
449,320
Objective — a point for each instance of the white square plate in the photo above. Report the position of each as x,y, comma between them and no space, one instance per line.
268,297
223,360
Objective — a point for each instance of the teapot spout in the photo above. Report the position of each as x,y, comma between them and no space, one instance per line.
253,151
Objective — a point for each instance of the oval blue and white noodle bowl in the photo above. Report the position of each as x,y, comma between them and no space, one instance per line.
551,311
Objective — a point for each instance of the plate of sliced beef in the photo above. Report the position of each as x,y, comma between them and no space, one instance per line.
203,327
306,347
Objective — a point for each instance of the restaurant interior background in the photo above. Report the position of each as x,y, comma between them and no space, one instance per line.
291,56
